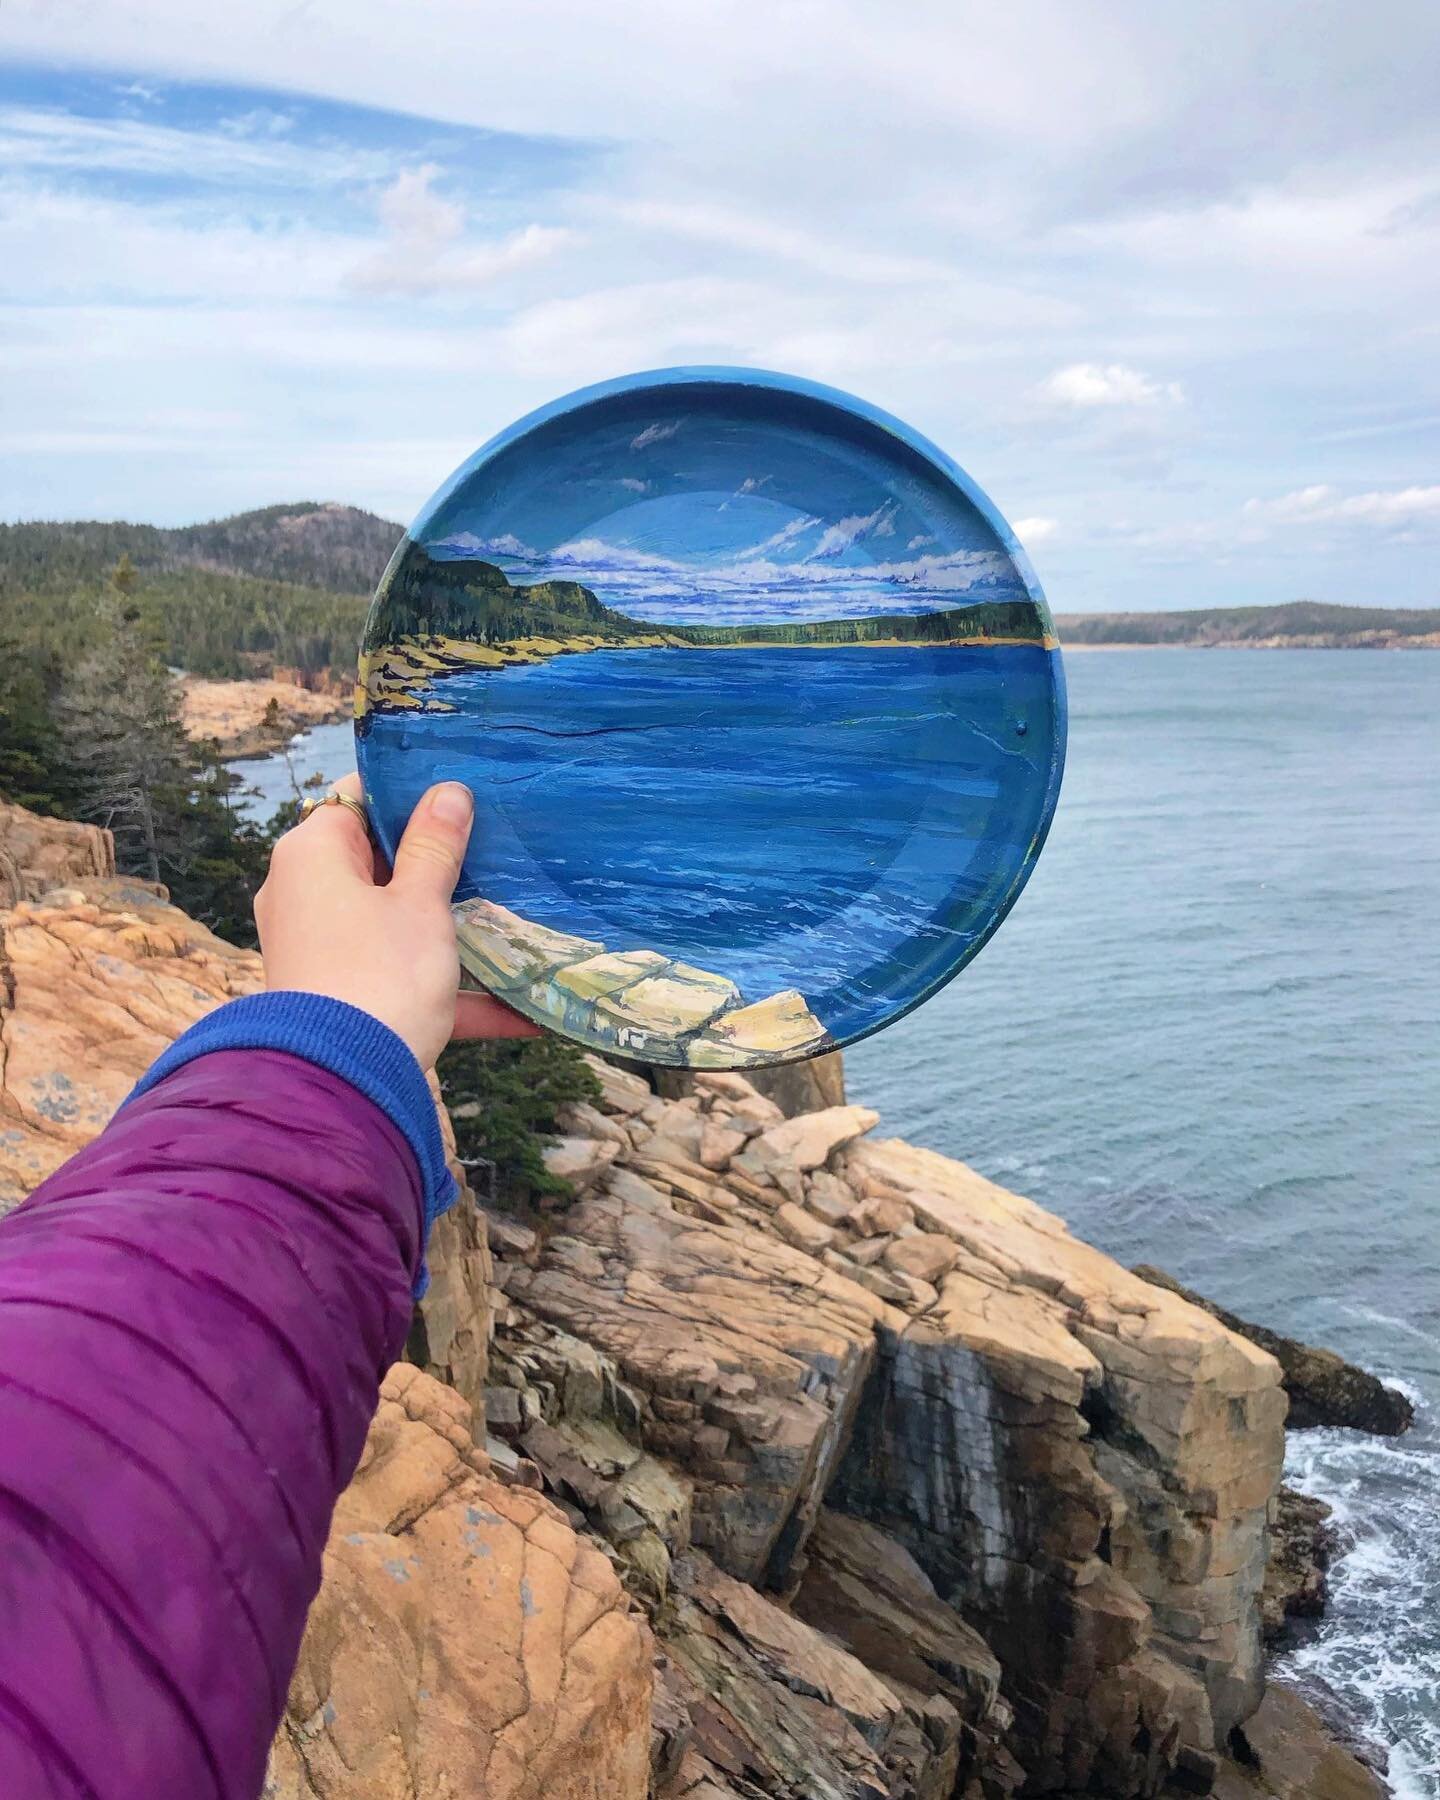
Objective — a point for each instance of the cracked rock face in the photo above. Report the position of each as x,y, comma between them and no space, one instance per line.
749,1356
1084,1466
774,1706
1078,1464
37,854
99,978
401,1690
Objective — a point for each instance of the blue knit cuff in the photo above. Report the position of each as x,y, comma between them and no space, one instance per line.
349,1043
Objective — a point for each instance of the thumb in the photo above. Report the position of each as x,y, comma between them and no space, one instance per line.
429,855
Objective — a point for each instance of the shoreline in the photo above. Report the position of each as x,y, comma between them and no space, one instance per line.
1255,644
237,716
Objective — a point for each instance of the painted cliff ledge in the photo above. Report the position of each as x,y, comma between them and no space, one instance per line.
637,1003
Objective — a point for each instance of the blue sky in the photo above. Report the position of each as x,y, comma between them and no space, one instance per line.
1165,285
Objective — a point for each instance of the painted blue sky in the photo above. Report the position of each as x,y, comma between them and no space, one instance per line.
711,504
1164,284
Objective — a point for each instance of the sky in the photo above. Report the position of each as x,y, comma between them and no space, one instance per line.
1162,279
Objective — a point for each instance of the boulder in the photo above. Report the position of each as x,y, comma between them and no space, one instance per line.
1324,1389
578,1160
1286,1752
465,1642
802,1229
1303,1543
37,854
927,1255
807,1141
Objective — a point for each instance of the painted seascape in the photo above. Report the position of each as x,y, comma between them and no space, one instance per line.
762,711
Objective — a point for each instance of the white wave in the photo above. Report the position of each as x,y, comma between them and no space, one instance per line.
1379,1644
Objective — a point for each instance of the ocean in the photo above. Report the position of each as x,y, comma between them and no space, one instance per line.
1209,1037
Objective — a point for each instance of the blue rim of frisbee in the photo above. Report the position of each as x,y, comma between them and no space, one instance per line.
724,376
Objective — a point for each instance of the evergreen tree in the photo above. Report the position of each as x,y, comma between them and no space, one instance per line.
119,721
503,1096
33,772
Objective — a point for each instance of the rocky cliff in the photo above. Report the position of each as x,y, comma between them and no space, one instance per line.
783,1460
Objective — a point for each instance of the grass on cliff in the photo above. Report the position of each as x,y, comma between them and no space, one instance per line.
503,1098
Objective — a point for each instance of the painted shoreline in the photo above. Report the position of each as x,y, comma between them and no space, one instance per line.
638,1003
404,675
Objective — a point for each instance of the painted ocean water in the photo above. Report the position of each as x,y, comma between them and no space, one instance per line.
1209,1036
745,811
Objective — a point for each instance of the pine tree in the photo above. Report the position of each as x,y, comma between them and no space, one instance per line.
33,772
119,722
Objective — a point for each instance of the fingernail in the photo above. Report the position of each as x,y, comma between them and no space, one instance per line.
452,803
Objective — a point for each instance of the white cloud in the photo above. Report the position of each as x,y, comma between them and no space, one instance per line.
1322,504
1107,384
1035,531
425,251
1133,193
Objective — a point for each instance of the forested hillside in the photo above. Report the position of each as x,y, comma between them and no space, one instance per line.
1298,625
285,584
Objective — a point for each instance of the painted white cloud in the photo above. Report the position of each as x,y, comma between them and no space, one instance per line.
845,532
1107,384
654,434
1322,504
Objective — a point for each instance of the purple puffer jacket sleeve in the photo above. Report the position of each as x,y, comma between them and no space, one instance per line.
195,1314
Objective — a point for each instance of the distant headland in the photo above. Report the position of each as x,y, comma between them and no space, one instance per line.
1299,625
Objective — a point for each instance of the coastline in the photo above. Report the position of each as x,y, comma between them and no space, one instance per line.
247,720
744,1350
1070,645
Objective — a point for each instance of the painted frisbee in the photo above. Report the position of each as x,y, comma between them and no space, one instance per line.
759,700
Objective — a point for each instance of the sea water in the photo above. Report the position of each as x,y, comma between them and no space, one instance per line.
1209,1037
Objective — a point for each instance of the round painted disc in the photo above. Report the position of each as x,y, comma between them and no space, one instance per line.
759,700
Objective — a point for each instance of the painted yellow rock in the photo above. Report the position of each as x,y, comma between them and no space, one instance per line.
780,1025
608,973
504,951
665,1006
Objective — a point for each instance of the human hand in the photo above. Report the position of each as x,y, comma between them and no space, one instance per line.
332,920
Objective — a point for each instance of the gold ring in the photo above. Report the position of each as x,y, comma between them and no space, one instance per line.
310,804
